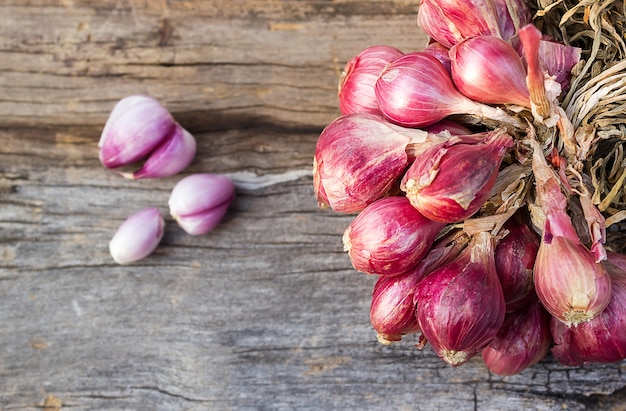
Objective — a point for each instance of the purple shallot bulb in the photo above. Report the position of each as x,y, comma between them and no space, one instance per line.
200,201
523,340
451,181
489,70
451,21
515,258
600,340
389,237
356,85
571,285
460,306
137,237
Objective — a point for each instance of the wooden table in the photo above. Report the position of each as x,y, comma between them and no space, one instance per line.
265,312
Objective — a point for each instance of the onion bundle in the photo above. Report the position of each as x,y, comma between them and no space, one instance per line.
487,173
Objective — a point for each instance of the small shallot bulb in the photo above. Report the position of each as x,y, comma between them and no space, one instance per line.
416,90
451,21
523,340
138,129
571,285
489,70
358,159
392,311
515,258
137,237
601,340
449,182
356,85
389,237
460,306
200,201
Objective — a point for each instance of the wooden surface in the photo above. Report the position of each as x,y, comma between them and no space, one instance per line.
265,312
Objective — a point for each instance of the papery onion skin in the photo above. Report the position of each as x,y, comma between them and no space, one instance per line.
452,180
389,237
600,340
358,158
523,340
489,70
460,306
356,85
515,258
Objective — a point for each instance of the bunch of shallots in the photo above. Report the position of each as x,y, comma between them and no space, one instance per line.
474,202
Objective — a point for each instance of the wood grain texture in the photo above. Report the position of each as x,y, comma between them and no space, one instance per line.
265,312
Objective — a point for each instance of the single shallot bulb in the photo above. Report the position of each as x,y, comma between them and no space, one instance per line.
450,181
389,237
137,237
571,285
515,258
356,85
601,340
489,70
392,311
416,90
140,128
460,306
359,157
523,340
200,201
451,21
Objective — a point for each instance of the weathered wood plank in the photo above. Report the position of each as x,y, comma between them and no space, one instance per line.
265,312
